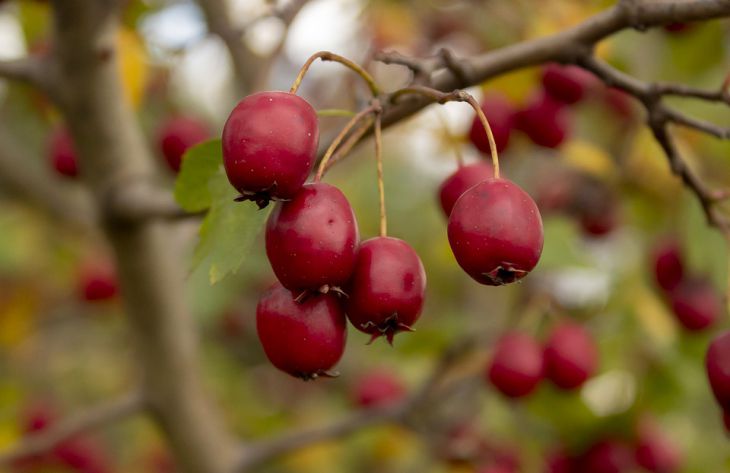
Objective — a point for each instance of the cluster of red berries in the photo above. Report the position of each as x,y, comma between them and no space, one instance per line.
694,300
519,362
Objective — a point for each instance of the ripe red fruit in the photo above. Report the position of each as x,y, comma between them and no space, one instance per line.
304,339
178,134
544,121
566,84
560,462
98,283
656,452
495,232
82,455
696,304
571,356
717,364
62,153
378,388
668,267
500,115
311,240
387,288
461,181
607,456
517,366
599,224
269,145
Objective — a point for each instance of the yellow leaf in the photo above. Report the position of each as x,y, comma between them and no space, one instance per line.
133,65
17,317
517,85
320,458
590,159
647,167
654,315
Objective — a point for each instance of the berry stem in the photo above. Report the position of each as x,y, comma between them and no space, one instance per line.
338,139
335,112
454,96
329,56
379,164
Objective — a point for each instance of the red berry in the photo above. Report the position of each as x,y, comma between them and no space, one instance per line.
566,84
619,102
62,153
517,365
98,283
560,462
544,121
717,363
35,418
656,452
311,240
696,304
571,356
495,232
270,145
461,181
178,134
595,224
82,455
668,267
500,115
387,288
378,388
607,456
304,339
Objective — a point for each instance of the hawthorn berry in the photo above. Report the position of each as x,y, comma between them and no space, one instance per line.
717,364
655,452
566,84
387,288
304,339
544,121
696,304
269,146
598,224
517,365
461,181
559,461
176,135
571,356
668,266
378,388
495,232
62,153
607,456
311,240
500,114
97,283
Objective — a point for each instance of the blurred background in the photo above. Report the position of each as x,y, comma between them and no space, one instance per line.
608,199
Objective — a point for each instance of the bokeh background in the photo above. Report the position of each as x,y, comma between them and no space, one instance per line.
59,351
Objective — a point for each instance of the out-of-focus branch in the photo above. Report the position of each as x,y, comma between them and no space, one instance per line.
86,420
137,200
29,70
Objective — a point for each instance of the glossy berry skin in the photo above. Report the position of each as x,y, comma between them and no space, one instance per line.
500,115
304,339
269,145
62,153
717,364
517,365
378,388
544,121
668,266
696,304
566,84
655,452
607,456
461,181
571,356
176,135
495,232
311,240
98,283
387,288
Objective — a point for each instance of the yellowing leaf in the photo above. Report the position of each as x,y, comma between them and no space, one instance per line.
133,65
654,315
17,318
320,458
516,85
590,159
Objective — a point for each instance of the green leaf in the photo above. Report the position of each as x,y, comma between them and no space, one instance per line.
200,165
228,231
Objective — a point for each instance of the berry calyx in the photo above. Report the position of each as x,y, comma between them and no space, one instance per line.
668,266
495,232
311,240
269,146
378,388
176,135
62,153
571,356
717,364
461,181
543,121
500,114
696,304
517,365
304,339
566,84
387,288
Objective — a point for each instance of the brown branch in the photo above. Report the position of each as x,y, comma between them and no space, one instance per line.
89,419
27,70
137,200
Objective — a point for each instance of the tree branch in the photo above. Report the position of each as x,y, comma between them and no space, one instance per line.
86,420
28,70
